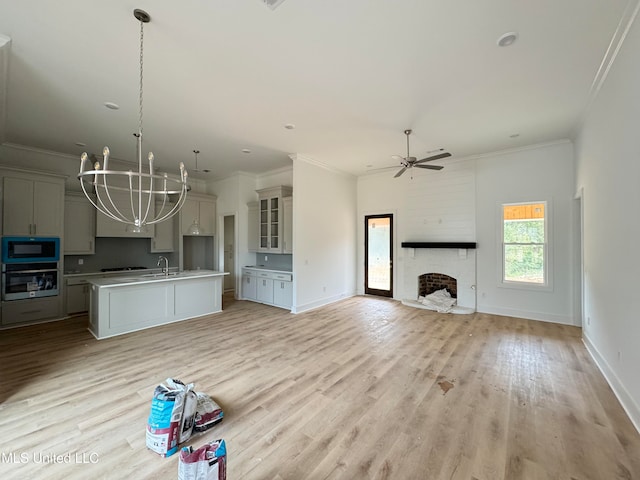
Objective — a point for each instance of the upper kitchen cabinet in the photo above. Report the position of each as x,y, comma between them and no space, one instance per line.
79,225
198,211
271,218
33,205
107,227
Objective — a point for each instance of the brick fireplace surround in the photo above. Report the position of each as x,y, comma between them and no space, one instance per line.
457,263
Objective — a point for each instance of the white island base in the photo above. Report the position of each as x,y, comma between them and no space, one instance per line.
124,305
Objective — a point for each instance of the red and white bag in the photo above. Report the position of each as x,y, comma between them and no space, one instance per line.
208,462
166,423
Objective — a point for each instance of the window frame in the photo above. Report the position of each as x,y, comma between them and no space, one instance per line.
547,285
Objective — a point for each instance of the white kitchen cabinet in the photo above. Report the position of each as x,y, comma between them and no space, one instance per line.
164,237
79,225
249,286
32,207
287,225
77,295
107,227
270,214
267,286
199,208
264,290
282,293
252,213
32,310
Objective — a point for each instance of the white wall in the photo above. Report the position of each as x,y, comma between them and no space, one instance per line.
324,235
460,203
608,172
233,195
431,206
544,173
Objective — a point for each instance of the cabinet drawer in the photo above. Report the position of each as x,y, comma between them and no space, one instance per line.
32,310
248,272
282,276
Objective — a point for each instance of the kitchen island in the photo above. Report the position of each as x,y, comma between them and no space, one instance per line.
125,304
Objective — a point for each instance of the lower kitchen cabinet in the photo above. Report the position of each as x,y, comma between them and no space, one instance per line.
18,312
282,294
77,296
265,290
267,286
249,287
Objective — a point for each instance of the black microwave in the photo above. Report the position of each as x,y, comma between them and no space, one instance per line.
30,249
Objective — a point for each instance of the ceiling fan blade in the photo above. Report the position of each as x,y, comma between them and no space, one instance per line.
400,172
430,167
398,158
380,168
435,157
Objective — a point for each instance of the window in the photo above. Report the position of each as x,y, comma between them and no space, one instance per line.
524,244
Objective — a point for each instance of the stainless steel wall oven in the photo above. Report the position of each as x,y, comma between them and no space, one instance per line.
30,267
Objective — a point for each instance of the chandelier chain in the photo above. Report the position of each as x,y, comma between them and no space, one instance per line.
141,74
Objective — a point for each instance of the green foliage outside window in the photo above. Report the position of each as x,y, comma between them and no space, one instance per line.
524,250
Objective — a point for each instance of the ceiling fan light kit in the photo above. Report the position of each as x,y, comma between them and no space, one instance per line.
143,188
410,162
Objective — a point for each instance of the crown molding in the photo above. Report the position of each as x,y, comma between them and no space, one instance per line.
312,161
619,35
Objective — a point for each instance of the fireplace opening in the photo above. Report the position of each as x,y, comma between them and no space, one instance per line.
431,282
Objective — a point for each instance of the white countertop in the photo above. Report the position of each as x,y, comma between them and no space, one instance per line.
268,269
123,273
133,279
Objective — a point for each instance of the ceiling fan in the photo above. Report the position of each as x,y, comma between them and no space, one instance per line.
410,162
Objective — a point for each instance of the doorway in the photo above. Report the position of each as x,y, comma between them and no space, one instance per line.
229,265
378,255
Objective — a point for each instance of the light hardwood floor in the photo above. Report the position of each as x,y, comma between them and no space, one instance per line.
362,389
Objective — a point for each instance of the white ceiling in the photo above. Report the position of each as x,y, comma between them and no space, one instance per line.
223,75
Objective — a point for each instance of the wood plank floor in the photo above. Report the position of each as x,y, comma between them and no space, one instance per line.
362,389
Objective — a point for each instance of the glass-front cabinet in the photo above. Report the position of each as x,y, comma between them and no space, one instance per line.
270,227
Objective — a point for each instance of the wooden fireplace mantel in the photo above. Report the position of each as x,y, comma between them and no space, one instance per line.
438,244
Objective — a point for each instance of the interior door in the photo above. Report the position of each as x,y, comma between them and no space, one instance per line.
378,255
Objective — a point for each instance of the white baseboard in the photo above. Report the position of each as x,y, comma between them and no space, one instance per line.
321,302
529,315
626,400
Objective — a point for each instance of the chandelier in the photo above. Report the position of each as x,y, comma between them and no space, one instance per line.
139,193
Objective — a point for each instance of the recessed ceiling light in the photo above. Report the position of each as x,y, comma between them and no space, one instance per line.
246,150
289,126
80,144
507,39
112,106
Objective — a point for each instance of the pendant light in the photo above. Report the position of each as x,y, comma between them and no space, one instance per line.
144,189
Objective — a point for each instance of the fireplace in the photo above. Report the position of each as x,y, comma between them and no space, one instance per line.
448,266
430,282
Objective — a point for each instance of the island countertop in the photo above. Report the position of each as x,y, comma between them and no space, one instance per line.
125,304
152,278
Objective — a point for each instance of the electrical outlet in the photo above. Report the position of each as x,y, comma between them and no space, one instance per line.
266,258
80,261
619,356
324,289
588,320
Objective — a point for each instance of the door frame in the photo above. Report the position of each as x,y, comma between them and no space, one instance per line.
219,241
374,291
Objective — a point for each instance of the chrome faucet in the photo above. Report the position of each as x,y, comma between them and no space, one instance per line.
165,269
